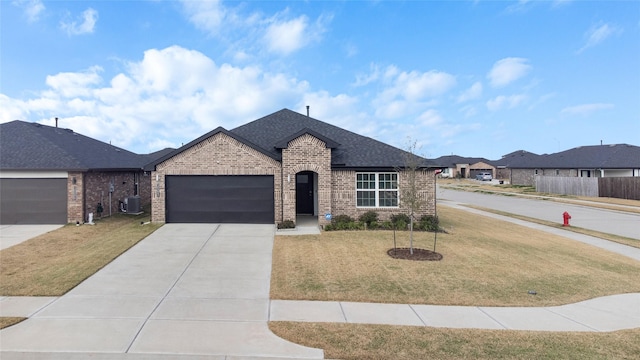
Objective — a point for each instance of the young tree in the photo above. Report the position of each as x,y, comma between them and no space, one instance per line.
410,190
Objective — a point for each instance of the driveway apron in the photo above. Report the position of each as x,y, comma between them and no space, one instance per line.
197,289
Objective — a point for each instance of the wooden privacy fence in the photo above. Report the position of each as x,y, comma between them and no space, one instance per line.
619,187
578,186
615,187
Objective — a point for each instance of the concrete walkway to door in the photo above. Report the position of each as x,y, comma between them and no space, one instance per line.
196,289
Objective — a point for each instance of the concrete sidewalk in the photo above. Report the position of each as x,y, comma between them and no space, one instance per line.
196,289
610,313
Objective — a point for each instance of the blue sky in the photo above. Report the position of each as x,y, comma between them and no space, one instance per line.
471,78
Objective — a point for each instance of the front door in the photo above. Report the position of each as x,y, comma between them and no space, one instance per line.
304,193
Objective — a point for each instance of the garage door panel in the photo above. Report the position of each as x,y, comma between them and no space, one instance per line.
220,199
33,201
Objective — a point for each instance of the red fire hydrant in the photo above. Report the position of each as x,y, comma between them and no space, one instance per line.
566,218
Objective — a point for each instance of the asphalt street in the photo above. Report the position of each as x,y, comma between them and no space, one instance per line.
607,221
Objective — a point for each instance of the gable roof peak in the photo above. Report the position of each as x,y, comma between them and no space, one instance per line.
284,143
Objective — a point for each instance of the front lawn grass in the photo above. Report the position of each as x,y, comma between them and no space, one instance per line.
357,341
486,263
55,262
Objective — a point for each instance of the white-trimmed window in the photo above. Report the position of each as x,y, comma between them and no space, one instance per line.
377,189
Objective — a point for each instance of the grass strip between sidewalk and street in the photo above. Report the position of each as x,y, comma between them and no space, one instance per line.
486,262
8,321
610,237
54,263
357,341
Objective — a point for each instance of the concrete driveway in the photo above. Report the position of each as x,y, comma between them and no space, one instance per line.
607,221
189,289
15,234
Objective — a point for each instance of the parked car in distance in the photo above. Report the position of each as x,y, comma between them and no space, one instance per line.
483,176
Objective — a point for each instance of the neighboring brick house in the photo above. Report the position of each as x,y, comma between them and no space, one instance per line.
615,160
51,175
278,167
455,166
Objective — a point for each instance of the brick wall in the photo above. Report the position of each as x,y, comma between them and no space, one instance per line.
523,177
75,197
307,153
97,190
343,202
217,155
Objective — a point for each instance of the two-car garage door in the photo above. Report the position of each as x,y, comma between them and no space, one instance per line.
220,199
33,201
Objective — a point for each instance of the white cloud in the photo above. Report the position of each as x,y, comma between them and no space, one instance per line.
168,89
253,33
72,84
287,36
415,85
505,102
508,70
430,118
32,8
585,109
474,92
208,15
405,93
87,25
469,111
365,79
597,34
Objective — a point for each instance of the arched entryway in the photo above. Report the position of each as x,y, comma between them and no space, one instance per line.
306,193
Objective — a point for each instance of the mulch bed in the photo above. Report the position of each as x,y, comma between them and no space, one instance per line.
418,254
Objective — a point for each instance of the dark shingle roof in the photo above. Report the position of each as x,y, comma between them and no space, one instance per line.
151,165
519,159
32,146
350,150
615,156
453,160
271,133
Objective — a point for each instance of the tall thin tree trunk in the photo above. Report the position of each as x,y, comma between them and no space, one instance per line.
411,235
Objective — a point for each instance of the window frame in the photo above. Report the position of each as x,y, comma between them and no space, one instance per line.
377,190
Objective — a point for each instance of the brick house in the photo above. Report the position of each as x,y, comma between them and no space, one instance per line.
614,160
51,175
455,166
279,167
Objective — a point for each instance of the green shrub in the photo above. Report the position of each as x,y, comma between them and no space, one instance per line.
287,224
429,223
400,221
370,217
341,219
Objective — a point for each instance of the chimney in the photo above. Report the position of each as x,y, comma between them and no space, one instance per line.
307,110
56,122
600,142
